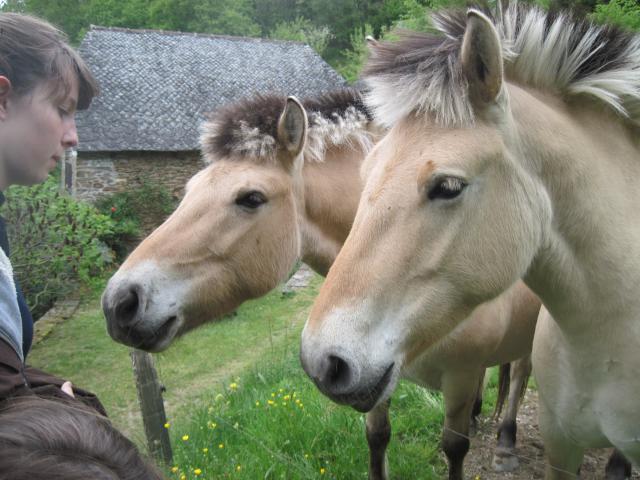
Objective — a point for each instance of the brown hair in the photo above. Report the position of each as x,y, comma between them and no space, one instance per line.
54,439
32,51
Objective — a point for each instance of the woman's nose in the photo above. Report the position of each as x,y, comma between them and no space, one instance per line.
70,136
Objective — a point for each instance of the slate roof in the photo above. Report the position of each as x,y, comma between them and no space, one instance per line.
157,86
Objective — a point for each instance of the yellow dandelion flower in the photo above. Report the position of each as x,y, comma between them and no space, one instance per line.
221,446
197,471
233,386
257,404
477,477
183,477
271,402
174,469
297,401
281,390
205,450
238,468
273,394
306,455
284,404
167,425
185,438
294,394
286,397
322,470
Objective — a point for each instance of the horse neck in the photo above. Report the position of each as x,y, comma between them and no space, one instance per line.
332,190
587,162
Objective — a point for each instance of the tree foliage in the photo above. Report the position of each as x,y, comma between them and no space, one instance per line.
302,30
624,13
206,16
335,28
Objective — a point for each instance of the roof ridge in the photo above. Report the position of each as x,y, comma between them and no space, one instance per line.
192,34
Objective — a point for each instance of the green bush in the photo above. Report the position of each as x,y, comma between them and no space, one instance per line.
133,212
624,13
56,242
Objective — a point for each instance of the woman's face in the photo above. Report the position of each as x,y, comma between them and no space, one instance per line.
35,129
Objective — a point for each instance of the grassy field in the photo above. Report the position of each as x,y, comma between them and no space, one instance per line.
238,403
194,366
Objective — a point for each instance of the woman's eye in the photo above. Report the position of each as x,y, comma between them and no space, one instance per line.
251,200
446,188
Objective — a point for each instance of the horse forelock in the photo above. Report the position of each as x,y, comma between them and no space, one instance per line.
248,129
553,51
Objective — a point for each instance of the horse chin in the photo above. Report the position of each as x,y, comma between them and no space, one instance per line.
380,393
158,340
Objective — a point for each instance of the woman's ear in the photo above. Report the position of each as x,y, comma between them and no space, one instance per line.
5,91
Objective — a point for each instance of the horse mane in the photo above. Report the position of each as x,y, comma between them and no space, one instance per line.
554,51
248,128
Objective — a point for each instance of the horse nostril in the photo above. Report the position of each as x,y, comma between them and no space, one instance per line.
127,306
338,374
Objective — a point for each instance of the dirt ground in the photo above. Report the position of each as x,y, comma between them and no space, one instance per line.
529,449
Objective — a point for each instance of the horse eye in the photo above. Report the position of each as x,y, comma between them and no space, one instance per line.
446,188
251,200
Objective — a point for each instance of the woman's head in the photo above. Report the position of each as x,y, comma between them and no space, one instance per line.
43,81
55,439
33,52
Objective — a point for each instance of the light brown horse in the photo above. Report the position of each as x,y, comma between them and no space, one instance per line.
268,199
514,152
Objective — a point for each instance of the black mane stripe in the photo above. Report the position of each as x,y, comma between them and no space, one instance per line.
555,51
249,127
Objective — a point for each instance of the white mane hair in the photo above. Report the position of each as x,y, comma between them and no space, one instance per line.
348,128
422,73
248,129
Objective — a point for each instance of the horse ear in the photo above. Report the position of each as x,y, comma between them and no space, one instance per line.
292,127
482,59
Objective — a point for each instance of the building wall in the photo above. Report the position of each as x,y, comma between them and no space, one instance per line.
102,173
98,174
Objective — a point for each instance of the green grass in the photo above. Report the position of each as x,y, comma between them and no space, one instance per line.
194,366
221,380
273,423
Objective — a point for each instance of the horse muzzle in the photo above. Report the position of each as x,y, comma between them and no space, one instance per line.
346,382
135,320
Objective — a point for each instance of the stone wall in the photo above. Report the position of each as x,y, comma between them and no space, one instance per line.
98,174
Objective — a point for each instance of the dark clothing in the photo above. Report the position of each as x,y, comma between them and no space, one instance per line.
27,319
17,378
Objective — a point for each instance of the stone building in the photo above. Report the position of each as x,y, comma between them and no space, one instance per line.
156,89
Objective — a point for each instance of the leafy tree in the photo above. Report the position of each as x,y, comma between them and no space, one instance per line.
624,13
302,30
582,7
207,16
68,15
225,18
353,59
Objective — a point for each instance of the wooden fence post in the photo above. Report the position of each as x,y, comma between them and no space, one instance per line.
151,406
